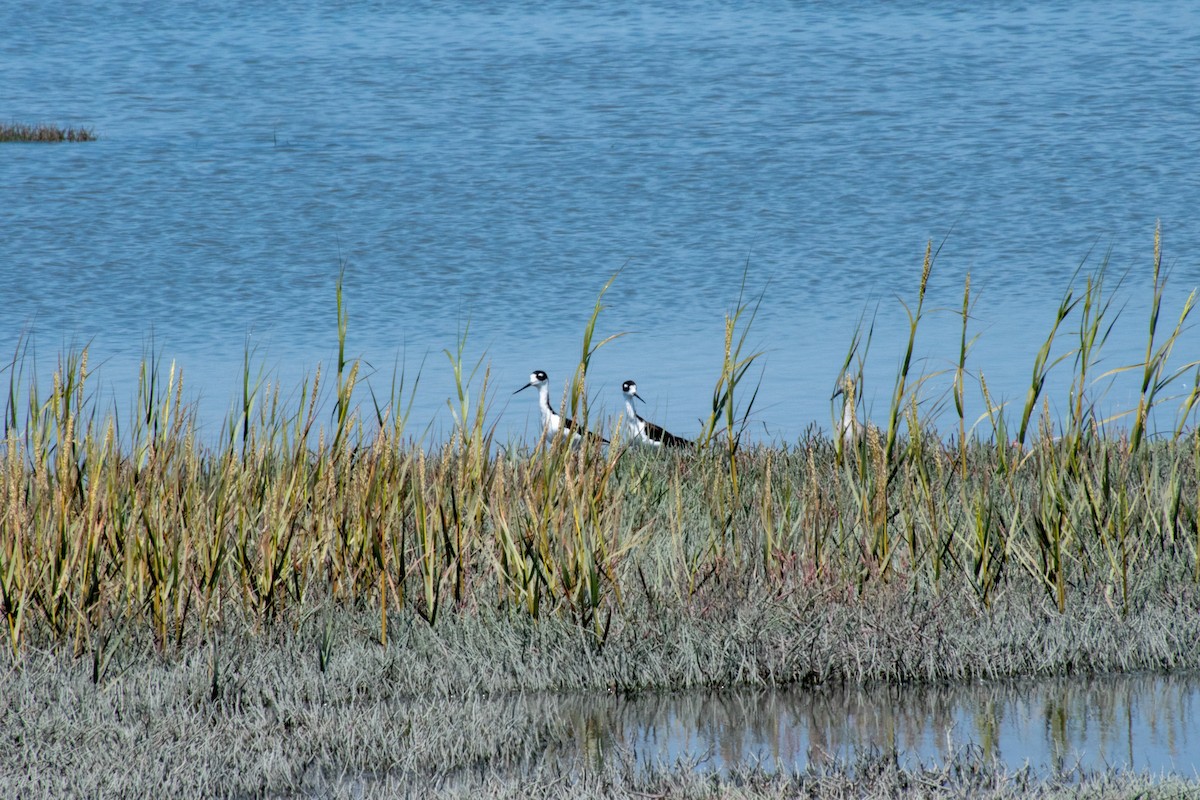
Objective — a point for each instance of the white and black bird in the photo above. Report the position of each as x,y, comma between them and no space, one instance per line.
551,419
642,430
850,427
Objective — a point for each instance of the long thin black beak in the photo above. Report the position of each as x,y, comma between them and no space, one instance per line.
836,392
639,397
523,388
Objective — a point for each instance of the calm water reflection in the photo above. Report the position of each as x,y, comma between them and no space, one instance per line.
1149,722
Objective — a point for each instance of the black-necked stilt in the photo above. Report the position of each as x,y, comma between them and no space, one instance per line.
850,427
642,430
551,419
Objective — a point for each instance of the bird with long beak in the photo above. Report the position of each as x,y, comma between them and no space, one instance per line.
643,430
552,421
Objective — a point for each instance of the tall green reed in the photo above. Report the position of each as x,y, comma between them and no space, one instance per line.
729,416
1155,377
1043,364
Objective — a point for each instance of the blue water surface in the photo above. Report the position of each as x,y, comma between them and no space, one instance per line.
496,165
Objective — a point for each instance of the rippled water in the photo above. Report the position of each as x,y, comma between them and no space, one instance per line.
498,164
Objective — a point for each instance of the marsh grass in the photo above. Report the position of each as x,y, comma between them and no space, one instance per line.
320,709
43,132
115,524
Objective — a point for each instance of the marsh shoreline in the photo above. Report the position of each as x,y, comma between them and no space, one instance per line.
316,706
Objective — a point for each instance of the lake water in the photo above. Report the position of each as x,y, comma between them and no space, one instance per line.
496,165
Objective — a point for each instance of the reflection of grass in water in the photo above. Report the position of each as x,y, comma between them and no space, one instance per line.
376,723
114,526
19,132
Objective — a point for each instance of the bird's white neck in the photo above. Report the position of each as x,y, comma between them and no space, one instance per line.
848,417
548,415
852,427
632,417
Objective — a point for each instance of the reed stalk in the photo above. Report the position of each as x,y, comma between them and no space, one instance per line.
728,418
958,386
1155,376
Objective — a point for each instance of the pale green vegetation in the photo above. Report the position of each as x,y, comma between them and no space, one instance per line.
20,132
1018,547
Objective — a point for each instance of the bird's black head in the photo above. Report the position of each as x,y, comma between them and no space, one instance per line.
536,378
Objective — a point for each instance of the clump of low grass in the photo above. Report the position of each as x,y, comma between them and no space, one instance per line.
43,132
